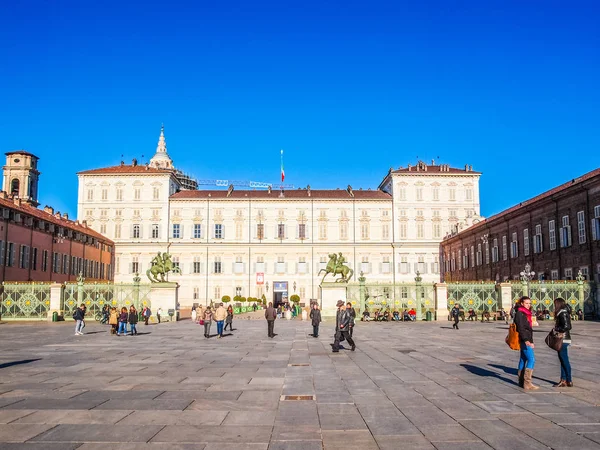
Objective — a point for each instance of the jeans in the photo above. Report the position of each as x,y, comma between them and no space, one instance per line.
79,326
133,329
527,360
122,328
270,326
316,331
207,328
220,327
565,365
230,324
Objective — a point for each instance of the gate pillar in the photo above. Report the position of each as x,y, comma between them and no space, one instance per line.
441,301
56,295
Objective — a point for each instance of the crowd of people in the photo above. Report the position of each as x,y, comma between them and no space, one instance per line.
118,320
206,315
386,315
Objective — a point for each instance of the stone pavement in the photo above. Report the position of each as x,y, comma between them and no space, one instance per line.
407,386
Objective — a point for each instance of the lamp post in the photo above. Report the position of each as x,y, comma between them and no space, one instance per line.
484,241
526,276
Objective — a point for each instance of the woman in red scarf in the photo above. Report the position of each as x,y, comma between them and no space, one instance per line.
523,323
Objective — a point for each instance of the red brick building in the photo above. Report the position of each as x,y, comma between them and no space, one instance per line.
557,233
41,245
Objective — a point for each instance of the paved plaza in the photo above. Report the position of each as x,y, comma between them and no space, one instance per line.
407,386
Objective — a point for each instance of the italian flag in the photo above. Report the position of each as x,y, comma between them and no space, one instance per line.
282,171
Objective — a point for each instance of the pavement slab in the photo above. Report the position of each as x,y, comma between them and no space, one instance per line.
418,386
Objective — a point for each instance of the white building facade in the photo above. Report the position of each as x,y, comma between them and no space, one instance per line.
255,242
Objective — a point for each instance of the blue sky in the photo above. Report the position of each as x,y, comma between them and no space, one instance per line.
347,89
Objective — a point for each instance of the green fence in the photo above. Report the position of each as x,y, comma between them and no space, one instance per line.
578,294
480,297
29,301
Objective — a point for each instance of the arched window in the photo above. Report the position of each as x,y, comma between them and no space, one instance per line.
14,187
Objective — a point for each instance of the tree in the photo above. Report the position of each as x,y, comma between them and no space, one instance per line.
295,298
264,299
226,299
237,299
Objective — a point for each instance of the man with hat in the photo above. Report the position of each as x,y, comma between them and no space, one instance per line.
342,326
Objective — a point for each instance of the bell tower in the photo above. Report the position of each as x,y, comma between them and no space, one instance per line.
21,176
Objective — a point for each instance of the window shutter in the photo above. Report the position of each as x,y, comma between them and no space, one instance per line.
181,231
424,267
222,231
286,267
594,236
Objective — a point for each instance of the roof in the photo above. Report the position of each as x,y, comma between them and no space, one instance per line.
125,169
435,170
298,194
51,218
21,152
533,200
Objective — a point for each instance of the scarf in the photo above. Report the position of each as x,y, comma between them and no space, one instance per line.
527,313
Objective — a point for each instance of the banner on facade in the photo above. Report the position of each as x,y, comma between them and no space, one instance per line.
260,278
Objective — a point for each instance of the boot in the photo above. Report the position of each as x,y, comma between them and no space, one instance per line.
528,385
520,374
561,383
569,384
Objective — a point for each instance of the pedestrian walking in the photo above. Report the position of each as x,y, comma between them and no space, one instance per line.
229,318
113,320
523,322
270,315
123,318
562,324
455,314
194,313
158,314
133,320
146,314
79,315
315,317
352,313
207,317
105,314
342,325
220,316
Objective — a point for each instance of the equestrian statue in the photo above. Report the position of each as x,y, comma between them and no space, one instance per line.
336,266
161,266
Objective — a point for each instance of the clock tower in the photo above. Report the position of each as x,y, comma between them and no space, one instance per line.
21,176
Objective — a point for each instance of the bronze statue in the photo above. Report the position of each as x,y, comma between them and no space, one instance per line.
336,266
161,266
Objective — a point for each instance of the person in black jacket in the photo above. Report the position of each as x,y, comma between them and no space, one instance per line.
133,320
523,322
79,315
562,324
315,317
352,313
455,313
342,325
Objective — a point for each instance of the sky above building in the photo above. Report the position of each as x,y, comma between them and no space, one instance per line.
347,89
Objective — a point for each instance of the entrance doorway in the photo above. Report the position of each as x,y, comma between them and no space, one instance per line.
280,293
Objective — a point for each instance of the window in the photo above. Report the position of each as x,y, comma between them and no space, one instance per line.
218,232
302,231
487,252
117,231
581,226
238,267
260,231
452,213
218,293
102,228
34,259
452,194
472,256
469,194
55,262
119,194
344,230
136,231
421,267
565,233
24,257
514,246
452,262
135,265
74,265
478,259
526,242
156,193
419,193
196,266
568,274
260,265
280,231
403,264
176,261
584,272
402,193
155,231
386,267
538,245
420,230
495,251
280,266
403,229
596,224
365,266
65,264
176,234
436,193
302,266
552,233
217,265
437,230
238,230
364,230
460,259
104,194
197,231
137,194
435,266
45,261
90,194
322,230
554,274
466,259
504,248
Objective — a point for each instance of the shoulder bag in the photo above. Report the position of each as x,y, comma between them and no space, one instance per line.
512,339
554,340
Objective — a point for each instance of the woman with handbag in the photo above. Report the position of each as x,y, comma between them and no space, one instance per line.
523,322
562,324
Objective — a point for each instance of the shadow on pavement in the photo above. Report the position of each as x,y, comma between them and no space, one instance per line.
480,371
16,363
513,371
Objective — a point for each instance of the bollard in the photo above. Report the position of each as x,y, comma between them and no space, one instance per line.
55,316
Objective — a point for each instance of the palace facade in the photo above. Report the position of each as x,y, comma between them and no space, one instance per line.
274,242
44,245
557,233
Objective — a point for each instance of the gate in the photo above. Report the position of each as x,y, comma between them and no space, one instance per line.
25,301
480,297
577,294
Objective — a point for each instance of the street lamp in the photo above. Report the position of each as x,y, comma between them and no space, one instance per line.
527,275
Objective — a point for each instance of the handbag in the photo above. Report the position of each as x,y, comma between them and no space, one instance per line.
512,338
201,322
554,340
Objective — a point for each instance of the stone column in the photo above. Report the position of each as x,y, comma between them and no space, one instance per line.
330,294
362,292
441,301
506,296
56,290
164,296
581,292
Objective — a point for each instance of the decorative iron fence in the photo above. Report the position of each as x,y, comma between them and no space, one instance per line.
480,297
577,294
25,301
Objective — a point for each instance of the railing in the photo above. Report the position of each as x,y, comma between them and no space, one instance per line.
26,301
480,297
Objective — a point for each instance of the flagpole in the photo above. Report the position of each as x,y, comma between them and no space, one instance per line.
282,170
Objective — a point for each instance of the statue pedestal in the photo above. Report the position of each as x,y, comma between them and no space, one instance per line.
330,294
164,296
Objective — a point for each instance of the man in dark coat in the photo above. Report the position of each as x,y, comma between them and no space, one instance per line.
270,315
342,325
315,317
352,313
455,313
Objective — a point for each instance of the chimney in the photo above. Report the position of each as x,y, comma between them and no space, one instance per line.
349,189
229,190
57,214
409,167
17,201
84,223
65,216
308,189
269,189
134,162
48,209
433,162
